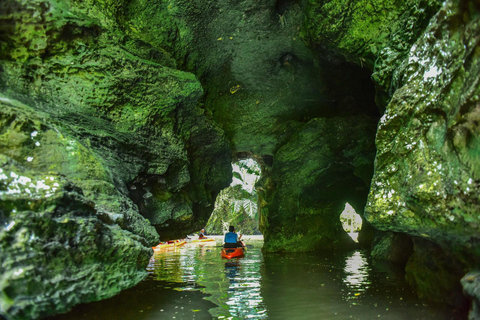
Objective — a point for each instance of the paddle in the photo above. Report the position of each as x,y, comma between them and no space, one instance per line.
248,246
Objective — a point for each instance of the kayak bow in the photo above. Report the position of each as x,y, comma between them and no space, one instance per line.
230,253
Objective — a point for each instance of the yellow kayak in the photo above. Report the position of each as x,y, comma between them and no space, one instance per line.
169,244
202,240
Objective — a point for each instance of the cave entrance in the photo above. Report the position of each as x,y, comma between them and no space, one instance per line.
351,222
237,204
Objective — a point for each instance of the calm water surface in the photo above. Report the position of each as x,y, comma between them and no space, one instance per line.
194,282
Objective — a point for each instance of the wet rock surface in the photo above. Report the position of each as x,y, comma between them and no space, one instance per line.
121,120
88,116
426,170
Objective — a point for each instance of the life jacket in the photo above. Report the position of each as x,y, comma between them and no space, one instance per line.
231,237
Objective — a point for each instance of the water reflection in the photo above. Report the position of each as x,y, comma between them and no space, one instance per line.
244,296
356,275
194,282
236,290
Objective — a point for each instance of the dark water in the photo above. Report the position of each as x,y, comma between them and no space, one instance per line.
194,282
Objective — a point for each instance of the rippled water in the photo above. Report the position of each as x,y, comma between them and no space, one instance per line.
194,282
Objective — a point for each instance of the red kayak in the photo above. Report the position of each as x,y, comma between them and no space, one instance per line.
230,253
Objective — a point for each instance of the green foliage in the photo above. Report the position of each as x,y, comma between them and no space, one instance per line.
237,204
237,175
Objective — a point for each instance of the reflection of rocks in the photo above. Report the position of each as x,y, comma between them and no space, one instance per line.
471,287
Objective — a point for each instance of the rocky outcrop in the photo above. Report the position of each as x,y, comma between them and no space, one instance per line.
471,288
376,34
322,167
103,147
268,91
427,166
66,227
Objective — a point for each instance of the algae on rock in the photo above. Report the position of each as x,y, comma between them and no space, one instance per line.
89,114
371,33
427,168
62,245
322,167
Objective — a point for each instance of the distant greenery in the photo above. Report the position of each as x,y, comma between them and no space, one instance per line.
237,204
351,221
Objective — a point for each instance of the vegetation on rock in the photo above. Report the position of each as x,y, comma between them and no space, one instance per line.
103,147
119,121
237,204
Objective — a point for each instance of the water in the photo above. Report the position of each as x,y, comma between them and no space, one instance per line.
194,282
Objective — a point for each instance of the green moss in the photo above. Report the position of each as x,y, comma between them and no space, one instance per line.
312,178
426,168
370,33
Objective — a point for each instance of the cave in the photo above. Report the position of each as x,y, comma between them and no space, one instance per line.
119,123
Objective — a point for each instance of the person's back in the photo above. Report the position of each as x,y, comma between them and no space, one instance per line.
231,238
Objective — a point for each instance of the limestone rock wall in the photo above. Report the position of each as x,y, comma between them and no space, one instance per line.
322,167
268,90
376,34
427,166
103,151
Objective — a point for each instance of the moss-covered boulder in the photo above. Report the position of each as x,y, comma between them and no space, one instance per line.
370,33
322,167
66,229
427,169
103,147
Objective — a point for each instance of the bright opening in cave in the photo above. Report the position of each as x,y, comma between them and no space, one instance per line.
237,204
351,221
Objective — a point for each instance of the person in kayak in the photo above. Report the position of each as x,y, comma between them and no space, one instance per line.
232,240
201,235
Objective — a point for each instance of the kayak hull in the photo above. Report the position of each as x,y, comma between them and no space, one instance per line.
202,240
230,253
170,244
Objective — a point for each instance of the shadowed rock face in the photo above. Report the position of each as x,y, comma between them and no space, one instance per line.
278,99
323,166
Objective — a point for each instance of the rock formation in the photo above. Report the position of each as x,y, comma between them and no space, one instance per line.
103,148
119,120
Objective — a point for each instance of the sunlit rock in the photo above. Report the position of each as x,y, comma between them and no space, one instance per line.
66,229
89,115
427,169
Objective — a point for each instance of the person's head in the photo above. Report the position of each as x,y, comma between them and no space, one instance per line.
203,230
231,229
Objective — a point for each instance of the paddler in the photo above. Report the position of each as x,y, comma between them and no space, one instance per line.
232,240
201,235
